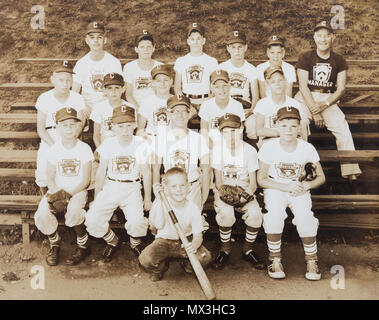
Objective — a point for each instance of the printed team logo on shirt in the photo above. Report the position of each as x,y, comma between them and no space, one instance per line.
160,117
107,124
194,74
123,165
322,71
69,167
97,81
143,83
180,158
231,171
288,170
238,80
214,123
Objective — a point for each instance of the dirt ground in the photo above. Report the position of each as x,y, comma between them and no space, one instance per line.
122,279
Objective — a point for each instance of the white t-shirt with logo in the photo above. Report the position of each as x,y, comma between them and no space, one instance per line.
124,162
286,166
189,218
48,104
90,74
288,70
241,78
184,152
269,108
235,168
102,114
154,110
210,112
69,163
139,79
195,71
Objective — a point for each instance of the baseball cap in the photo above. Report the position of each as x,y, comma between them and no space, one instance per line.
123,114
65,114
174,101
271,70
219,75
64,66
236,37
287,112
195,26
144,35
162,69
113,78
229,120
95,27
323,24
275,40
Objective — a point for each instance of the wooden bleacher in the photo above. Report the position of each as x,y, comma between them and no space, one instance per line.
332,210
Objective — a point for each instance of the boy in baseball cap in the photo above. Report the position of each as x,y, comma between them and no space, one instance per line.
69,163
123,162
281,162
275,52
137,73
193,69
322,79
235,163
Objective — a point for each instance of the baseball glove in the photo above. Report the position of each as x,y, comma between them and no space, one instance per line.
58,201
260,199
235,196
309,172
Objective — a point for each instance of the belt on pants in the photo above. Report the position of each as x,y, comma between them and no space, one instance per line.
192,182
51,127
196,96
324,90
125,181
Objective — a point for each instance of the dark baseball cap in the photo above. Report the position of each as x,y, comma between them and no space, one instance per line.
236,37
323,25
123,114
64,66
113,78
219,74
287,113
229,120
65,114
174,101
95,27
144,35
275,40
195,26
271,70
162,69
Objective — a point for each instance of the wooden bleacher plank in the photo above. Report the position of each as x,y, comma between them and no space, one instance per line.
9,219
18,202
19,135
356,135
7,155
344,155
362,117
18,118
22,106
17,174
341,220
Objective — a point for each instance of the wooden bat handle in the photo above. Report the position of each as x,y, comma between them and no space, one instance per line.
196,265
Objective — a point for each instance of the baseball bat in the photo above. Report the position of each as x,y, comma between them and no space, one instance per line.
199,271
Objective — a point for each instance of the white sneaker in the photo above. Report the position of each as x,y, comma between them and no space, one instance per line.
313,272
275,269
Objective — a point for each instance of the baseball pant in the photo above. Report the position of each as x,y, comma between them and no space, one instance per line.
154,258
47,223
225,216
301,206
336,123
115,194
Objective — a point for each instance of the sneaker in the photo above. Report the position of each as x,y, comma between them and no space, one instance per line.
275,269
52,258
313,273
156,276
109,252
220,261
186,266
254,259
78,255
137,250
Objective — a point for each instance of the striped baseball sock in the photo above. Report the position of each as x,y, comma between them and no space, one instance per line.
134,242
251,235
54,239
111,238
225,235
274,249
310,250
82,241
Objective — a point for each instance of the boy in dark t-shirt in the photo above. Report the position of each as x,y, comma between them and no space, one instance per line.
322,78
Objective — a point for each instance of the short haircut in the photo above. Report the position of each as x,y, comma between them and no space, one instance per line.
174,171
